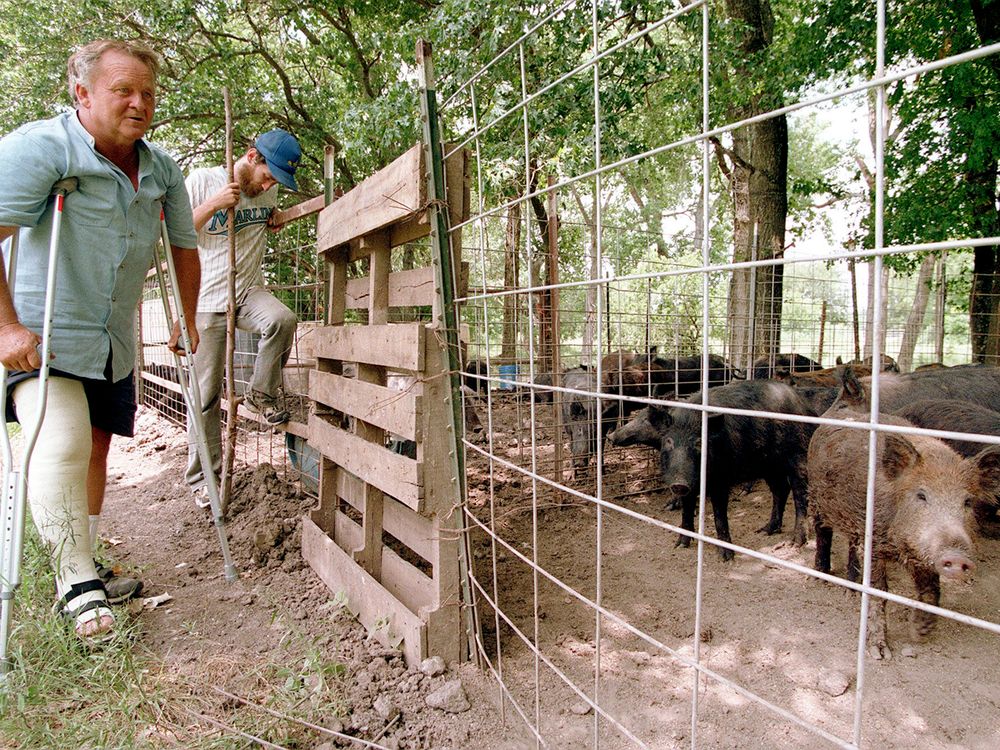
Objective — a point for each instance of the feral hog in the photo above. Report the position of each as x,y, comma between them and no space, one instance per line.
828,377
579,415
980,385
740,448
769,365
961,416
475,374
661,377
923,495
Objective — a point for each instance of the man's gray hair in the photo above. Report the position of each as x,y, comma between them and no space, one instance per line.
80,68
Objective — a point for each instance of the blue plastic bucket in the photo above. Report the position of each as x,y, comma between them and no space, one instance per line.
508,377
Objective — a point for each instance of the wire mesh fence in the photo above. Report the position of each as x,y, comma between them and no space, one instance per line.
602,327
646,347
291,274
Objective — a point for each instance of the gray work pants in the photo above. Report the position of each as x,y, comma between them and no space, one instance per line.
260,313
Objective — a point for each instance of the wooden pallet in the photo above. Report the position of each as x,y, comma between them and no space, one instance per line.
385,534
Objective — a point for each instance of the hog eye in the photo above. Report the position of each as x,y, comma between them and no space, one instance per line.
668,444
921,496
968,502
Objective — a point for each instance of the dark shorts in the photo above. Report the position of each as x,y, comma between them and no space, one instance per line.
112,405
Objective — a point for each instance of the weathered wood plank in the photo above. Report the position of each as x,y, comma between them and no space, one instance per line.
383,407
392,473
402,580
392,194
415,531
399,346
406,288
385,617
298,211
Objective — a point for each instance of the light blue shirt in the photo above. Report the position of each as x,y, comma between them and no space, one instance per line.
108,234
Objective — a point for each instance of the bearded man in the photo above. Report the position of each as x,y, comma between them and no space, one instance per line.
272,159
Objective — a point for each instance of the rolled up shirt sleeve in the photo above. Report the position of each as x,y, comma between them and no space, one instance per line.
177,211
30,164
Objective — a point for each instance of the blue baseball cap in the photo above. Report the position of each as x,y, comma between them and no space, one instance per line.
282,153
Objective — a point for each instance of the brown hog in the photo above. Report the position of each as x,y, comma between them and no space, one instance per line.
924,492
826,378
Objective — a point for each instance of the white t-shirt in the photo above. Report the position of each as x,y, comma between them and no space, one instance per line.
213,240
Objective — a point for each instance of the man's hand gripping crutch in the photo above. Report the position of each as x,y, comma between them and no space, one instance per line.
192,393
15,481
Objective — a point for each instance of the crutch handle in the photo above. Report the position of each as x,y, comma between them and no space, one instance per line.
65,186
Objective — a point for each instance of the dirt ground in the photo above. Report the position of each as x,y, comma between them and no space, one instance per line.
218,633
788,638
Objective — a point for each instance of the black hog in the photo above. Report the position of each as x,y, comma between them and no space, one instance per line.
769,365
678,376
961,416
639,430
740,449
580,416
923,494
828,377
818,399
476,371
888,363
542,395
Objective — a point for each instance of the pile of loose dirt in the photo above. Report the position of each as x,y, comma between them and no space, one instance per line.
265,525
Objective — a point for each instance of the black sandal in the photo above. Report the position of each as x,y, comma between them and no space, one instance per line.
93,611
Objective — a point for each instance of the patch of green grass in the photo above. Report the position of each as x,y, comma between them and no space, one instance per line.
60,694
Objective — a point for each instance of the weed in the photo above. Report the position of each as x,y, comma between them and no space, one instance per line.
60,694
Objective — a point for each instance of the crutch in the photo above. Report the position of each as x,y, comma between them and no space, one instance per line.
192,395
16,480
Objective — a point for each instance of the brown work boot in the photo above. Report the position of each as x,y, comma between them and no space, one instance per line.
267,406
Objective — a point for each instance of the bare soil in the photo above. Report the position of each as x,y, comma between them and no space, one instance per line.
219,634
786,637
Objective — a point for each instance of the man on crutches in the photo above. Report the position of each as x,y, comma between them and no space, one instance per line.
110,227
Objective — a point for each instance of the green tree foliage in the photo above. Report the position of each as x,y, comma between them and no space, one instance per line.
341,73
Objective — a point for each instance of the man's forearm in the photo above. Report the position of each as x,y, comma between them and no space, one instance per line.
188,268
201,214
8,314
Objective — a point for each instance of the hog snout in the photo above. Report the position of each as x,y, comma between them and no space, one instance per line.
679,490
954,565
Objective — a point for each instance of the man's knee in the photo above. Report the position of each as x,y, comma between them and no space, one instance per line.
65,439
283,324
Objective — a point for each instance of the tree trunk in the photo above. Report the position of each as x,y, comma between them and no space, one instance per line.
590,261
984,189
512,243
759,178
915,320
870,310
985,301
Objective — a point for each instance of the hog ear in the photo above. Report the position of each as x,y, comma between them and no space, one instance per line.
988,463
784,376
659,417
840,360
853,391
898,455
